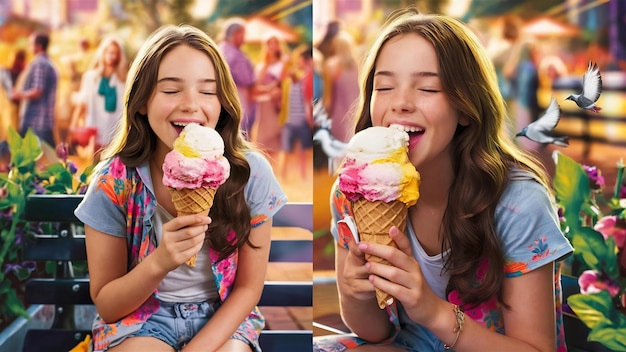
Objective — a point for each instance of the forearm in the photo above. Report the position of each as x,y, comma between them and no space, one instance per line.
135,288
77,114
365,318
474,336
226,320
28,94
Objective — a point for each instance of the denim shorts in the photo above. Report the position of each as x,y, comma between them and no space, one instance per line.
177,323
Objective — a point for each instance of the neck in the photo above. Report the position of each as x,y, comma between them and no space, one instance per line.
108,70
435,183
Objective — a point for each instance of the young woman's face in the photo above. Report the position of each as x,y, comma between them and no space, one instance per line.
408,91
272,45
186,92
112,55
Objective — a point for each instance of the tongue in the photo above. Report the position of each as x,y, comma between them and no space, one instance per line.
414,138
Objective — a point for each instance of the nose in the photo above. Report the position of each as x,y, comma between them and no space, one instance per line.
188,102
403,100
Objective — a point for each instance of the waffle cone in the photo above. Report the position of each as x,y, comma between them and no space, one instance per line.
373,220
192,201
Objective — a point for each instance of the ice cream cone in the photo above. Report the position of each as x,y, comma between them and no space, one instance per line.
192,201
373,220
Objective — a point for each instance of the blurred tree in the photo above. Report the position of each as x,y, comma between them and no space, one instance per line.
151,14
241,8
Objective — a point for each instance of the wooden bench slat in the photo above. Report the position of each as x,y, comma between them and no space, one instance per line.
60,340
58,291
56,249
286,340
76,291
295,215
52,207
295,251
300,294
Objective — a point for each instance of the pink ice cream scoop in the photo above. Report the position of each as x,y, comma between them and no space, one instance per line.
377,167
197,160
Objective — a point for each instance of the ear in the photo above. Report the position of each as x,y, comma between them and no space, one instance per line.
464,120
143,110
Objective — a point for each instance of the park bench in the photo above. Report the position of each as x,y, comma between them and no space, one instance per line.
67,245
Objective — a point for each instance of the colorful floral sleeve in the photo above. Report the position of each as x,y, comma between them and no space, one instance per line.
103,205
263,193
340,208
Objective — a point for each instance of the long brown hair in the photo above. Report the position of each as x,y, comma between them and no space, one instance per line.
135,142
483,152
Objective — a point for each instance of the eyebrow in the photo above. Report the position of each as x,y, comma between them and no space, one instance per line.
415,74
176,79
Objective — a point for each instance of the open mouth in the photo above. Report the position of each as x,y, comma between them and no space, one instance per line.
179,126
415,134
414,138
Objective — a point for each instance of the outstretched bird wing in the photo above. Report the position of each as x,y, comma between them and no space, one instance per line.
592,82
547,122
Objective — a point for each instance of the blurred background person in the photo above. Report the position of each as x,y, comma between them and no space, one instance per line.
240,67
18,66
514,58
526,104
100,100
296,116
268,95
341,88
36,92
502,48
325,45
79,62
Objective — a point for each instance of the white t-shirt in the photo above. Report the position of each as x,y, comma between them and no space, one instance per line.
185,284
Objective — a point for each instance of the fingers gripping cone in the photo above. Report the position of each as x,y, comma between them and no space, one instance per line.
373,220
192,201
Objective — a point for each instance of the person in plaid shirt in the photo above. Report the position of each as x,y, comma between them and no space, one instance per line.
37,92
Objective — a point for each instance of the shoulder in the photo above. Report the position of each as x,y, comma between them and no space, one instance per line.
114,178
257,161
524,192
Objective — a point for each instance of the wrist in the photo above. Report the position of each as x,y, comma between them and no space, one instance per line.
459,323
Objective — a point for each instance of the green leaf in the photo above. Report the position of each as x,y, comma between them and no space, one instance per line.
5,286
51,267
611,264
24,151
614,338
593,309
22,274
571,186
15,306
86,173
589,247
59,177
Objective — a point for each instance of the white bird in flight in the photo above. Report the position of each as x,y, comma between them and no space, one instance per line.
540,130
592,87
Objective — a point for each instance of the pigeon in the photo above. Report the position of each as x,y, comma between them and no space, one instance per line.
539,131
592,87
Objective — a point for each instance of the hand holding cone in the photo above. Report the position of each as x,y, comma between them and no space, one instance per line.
373,220
192,201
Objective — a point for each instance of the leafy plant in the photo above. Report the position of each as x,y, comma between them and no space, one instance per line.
596,227
25,175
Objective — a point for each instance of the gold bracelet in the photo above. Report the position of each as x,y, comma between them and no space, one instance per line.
460,320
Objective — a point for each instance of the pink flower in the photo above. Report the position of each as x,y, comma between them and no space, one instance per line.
593,282
610,226
596,180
